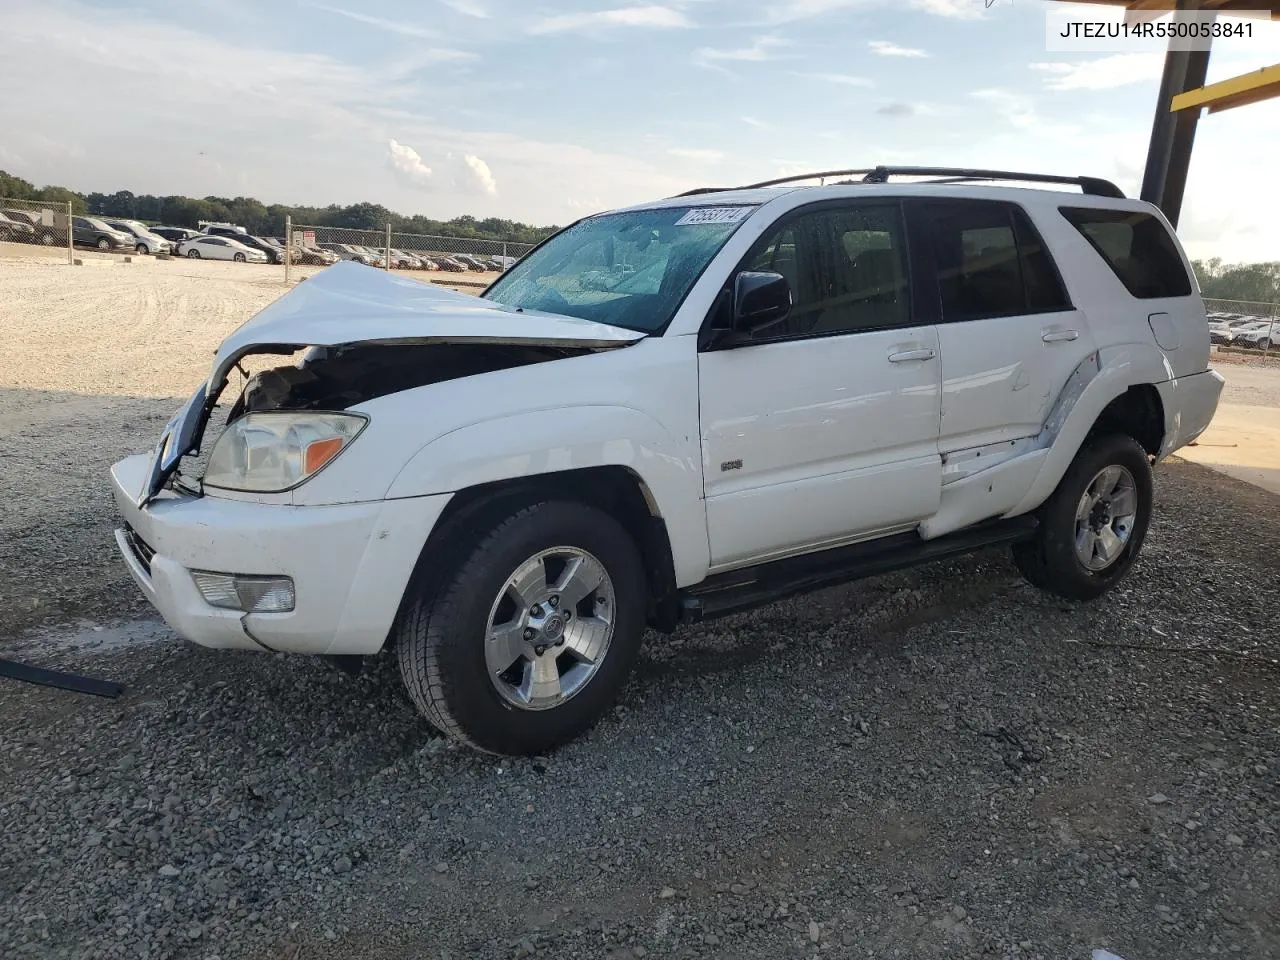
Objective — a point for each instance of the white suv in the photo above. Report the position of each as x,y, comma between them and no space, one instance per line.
670,412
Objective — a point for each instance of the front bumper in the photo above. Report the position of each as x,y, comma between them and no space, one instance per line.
350,563
1190,403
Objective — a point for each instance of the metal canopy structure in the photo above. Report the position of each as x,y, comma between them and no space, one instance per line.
1183,94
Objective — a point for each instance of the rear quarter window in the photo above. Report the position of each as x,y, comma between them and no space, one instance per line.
1138,249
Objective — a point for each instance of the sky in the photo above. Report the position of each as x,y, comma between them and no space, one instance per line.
544,111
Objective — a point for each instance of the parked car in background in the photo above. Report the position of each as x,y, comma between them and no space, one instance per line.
348,251
1259,335
145,240
272,253
220,248
405,261
45,234
471,263
451,265
94,232
280,250
175,235
427,262
16,231
314,256
376,257
1224,331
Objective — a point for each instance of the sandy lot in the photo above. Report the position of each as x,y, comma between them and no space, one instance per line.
939,763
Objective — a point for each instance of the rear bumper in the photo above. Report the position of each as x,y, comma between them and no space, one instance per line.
350,564
1189,404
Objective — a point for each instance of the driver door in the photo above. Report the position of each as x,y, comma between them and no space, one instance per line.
824,429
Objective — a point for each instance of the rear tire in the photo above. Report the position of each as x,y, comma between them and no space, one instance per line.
561,672
1093,526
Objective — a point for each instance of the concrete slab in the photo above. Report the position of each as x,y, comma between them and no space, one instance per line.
1242,442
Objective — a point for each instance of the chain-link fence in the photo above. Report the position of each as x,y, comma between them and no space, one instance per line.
389,250
1244,325
41,223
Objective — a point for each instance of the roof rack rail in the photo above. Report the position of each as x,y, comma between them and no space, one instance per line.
1093,186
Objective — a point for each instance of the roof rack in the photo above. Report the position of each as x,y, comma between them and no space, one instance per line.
1093,186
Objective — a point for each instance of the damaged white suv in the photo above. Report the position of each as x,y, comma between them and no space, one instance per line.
671,412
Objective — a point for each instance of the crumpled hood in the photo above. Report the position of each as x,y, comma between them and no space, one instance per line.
353,303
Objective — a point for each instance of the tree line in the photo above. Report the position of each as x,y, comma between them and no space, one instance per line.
1257,282
265,219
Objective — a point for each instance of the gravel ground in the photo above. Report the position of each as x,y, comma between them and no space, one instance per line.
937,763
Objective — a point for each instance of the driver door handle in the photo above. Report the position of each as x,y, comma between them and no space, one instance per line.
906,355
1058,336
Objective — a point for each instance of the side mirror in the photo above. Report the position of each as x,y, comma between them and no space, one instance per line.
760,300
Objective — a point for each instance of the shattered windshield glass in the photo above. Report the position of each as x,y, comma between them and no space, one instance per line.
629,269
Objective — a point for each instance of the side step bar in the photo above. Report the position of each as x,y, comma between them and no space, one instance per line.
740,590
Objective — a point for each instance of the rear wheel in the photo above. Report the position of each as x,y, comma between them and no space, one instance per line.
531,634
1093,526
48,239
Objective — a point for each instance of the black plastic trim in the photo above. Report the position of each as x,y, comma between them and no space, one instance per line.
755,586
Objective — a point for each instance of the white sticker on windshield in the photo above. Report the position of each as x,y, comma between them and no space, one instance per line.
714,215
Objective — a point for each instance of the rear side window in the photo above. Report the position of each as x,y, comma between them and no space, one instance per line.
1138,249
990,261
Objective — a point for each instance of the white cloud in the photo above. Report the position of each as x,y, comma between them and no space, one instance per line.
391,26
1105,73
694,153
956,9
757,124
760,51
407,164
469,8
639,16
1020,112
885,48
483,176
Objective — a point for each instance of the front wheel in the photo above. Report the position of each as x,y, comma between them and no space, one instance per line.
140,249
239,258
530,634
193,254
104,243
48,239
1093,526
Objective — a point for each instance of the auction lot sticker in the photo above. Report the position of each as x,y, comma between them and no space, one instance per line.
714,215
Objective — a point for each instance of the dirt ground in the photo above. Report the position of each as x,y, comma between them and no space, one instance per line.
936,763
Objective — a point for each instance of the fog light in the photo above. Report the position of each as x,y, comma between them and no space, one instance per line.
251,594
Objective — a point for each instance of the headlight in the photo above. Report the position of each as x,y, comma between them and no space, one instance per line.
273,452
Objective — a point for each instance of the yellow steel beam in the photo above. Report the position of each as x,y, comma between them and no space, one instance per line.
1237,92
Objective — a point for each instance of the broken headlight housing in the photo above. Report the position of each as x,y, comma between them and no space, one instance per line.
274,452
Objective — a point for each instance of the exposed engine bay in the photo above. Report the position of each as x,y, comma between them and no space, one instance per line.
335,378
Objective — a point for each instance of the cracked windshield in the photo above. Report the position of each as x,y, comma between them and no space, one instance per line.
628,269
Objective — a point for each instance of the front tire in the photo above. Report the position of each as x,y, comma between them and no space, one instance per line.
104,243
1093,526
140,249
239,258
193,254
531,632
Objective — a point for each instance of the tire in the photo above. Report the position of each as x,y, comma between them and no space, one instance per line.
239,258
193,254
104,243
140,249
1264,343
453,670
1053,559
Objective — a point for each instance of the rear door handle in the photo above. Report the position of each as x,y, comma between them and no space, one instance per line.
1058,336
906,355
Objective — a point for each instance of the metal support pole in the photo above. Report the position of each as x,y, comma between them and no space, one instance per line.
387,266
71,238
288,245
1173,134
